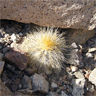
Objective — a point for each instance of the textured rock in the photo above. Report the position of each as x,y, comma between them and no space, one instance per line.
26,82
79,75
79,36
92,49
92,77
63,93
76,58
52,94
53,85
78,87
1,66
74,45
89,55
4,91
39,83
74,68
1,56
20,60
65,14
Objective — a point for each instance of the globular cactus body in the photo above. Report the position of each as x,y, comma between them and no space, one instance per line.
45,48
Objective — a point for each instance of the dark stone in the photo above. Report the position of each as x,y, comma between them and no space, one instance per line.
17,58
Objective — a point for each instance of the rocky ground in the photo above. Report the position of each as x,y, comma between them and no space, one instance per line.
78,78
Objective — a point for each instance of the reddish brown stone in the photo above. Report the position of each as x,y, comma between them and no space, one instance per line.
17,58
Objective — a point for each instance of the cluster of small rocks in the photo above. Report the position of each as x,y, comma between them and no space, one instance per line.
77,79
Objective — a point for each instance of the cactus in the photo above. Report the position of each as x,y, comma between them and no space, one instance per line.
45,48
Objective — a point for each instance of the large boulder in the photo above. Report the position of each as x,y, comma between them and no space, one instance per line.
78,14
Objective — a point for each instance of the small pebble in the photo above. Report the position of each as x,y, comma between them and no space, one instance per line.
20,86
53,85
74,45
94,57
20,34
13,37
92,50
68,69
74,68
89,55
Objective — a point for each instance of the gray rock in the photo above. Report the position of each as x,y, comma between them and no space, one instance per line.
76,58
91,50
63,93
79,75
65,14
74,45
52,94
6,49
89,55
20,86
92,76
1,56
26,82
1,66
39,83
53,85
74,68
78,87
13,37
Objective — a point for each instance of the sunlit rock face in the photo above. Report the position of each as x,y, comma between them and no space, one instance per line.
79,14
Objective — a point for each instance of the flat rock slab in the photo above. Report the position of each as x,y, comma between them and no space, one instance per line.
17,58
39,83
78,14
92,77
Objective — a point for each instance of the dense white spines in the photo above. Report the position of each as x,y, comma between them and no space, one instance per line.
45,48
